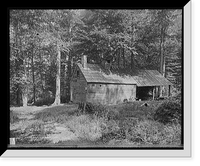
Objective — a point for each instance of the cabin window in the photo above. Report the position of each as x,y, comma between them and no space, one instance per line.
100,85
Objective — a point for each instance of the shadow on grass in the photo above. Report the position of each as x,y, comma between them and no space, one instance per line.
56,113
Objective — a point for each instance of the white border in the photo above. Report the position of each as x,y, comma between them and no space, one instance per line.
187,78
136,153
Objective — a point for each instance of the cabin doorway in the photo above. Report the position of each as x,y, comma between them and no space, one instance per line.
145,93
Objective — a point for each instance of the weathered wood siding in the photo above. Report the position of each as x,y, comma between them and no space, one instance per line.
110,93
81,91
78,87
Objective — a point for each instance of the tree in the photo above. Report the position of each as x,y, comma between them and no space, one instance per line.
45,44
52,32
173,49
21,32
61,28
103,28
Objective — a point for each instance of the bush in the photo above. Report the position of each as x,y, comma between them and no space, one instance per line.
85,127
168,112
96,109
44,101
111,130
176,98
13,117
113,115
152,132
172,133
146,132
33,134
129,122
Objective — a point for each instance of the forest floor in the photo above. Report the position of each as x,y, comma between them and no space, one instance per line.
54,131
63,126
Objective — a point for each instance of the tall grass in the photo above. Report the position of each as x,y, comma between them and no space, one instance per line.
102,123
153,132
136,127
33,133
85,127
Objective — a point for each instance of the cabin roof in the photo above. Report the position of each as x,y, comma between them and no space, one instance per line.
94,73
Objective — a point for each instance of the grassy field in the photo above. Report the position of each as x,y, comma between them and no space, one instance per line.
123,125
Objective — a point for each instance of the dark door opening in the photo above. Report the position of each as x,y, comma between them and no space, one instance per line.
144,93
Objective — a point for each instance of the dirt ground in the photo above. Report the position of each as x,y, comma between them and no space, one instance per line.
58,132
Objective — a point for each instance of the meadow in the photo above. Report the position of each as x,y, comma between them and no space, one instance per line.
135,124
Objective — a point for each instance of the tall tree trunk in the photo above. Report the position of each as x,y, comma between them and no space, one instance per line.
68,77
18,95
17,64
162,57
33,76
25,97
124,60
41,75
68,73
42,80
118,58
57,96
65,75
132,39
25,86
164,68
132,62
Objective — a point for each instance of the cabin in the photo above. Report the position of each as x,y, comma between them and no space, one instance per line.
96,83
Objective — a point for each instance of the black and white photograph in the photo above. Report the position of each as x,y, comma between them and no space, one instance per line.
96,78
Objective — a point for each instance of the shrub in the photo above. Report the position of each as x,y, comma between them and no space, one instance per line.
93,128
168,112
111,130
113,115
13,117
85,127
96,109
152,132
144,132
172,133
33,134
177,97
44,101
128,122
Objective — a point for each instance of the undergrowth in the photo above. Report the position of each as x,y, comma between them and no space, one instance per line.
127,123
13,117
32,134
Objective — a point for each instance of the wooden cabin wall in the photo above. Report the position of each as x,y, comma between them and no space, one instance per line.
110,93
165,92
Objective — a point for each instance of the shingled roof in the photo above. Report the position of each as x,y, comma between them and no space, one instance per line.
94,73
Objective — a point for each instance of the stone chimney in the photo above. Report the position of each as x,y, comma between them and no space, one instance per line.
84,61
108,65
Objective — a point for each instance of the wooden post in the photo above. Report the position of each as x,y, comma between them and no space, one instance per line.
84,105
169,92
153,93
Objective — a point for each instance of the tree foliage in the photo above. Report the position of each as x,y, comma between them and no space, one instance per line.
45,44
